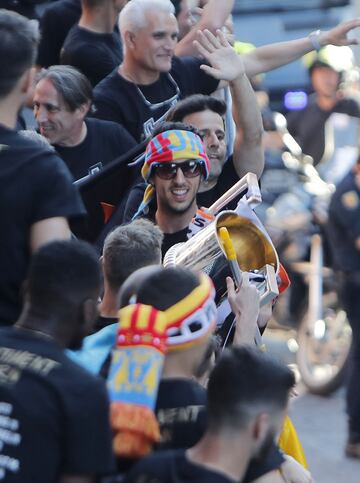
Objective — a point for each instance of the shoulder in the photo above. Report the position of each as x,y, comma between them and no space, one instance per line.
157,464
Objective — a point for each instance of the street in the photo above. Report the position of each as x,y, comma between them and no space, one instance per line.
320,422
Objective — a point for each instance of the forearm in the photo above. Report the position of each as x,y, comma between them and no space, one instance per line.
212,18
248,153
272,56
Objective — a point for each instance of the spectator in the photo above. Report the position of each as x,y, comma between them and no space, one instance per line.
62,431
247,399
62,99
327,69
126,249
55,23
36,191
92,46
150,80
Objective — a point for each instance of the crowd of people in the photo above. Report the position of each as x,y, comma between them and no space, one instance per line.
111,365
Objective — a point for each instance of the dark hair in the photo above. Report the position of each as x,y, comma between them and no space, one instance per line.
213,349
130,247
70,83
244,383
62,274
166,287
18,48
196,103
177,6
169,126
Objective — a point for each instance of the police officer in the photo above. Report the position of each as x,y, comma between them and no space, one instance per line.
344,236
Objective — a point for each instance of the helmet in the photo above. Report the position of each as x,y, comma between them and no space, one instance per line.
340,59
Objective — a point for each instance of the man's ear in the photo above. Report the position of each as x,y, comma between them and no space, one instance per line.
88,314
260,427
129,39
26,82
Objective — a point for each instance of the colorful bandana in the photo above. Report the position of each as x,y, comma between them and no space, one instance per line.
167,147
193,318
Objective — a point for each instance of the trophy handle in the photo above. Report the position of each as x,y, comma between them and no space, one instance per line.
272,289
253,195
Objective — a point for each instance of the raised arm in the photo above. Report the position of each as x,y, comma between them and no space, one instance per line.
272,56
213,17
227,65
248,153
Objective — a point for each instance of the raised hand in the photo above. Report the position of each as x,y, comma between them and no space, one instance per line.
225,63
338,35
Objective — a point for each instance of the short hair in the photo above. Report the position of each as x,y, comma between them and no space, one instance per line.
177,6
166,287
73,86
133,16
170,126
130,247
196,103
62,275
245,382
18,48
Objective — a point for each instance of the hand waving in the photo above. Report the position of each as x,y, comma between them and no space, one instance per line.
225,63
338,35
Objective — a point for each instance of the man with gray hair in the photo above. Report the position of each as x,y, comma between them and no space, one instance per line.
151,79
37,196
62,99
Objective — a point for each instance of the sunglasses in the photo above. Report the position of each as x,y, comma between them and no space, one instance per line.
190,169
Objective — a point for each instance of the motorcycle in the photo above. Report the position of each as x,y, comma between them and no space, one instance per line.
294,212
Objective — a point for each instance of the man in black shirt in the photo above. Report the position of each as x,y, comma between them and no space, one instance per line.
36,191
54,413
247,400
308,125
92,46
150,80
55,23
61,101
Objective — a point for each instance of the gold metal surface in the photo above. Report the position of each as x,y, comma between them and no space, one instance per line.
253,249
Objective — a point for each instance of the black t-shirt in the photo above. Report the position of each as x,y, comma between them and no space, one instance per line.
104,142
119,100
94,54
55,23
308,125
54,414
35,185
173,467
226,180
181,412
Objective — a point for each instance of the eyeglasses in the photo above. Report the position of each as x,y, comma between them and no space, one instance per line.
190,169
157,105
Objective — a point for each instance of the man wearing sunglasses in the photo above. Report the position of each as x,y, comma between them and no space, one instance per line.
175,164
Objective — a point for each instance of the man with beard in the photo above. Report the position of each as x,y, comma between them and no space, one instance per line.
55,414
247,399
175,163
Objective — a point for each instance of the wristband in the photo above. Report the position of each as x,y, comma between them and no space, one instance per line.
314,39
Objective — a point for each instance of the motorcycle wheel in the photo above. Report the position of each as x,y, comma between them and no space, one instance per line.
324,347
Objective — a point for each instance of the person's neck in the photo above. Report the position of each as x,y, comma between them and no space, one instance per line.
221,454
326,103
207,185
100,21
133,72
172,222
176,366
9,110
76,138
109,305
39,327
